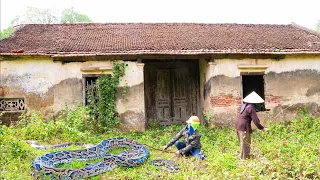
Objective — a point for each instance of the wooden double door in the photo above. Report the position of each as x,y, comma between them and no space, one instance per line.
171,91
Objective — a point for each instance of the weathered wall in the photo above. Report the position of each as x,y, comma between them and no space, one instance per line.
220,93
31,80
131,107
221,89
205,86
290,83
47,85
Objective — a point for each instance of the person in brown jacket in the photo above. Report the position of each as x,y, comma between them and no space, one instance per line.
243,123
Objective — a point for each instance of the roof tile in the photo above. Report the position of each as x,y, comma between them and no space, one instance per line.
160,38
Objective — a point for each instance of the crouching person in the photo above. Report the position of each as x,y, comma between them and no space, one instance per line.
191,144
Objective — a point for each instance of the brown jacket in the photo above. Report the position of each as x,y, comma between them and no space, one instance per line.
191,140
243,121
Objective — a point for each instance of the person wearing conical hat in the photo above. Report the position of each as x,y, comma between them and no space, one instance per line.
191,144
243,123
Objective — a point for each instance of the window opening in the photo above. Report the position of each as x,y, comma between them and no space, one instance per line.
90,88
254,83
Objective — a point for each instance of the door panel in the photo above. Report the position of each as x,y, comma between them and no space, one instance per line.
163,99
171,91
180,94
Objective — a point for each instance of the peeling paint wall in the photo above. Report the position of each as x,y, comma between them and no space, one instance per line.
290,83
205,69
32,80
47,85
131,107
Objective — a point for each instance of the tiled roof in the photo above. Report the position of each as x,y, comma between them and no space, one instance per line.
160,38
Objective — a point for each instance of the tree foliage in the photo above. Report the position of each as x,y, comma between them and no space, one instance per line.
6,32
318,26
49,16
38,16
35,15
70,15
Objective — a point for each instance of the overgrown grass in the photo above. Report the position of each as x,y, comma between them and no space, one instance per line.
289,151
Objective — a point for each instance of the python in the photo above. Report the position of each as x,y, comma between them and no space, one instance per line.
45,165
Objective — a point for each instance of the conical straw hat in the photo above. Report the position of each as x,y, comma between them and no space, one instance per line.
253,98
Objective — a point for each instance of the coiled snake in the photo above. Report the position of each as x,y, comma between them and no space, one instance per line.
45,164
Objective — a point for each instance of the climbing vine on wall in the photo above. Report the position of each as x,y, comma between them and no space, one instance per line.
101,97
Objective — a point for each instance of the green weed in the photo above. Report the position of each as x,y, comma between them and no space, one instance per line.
290,151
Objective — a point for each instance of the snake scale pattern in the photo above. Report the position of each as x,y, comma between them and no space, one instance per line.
170,165
45,165
37,145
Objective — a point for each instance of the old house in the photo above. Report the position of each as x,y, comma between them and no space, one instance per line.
174,69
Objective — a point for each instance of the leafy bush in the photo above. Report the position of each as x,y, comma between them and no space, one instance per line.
69,125
102,99
208,117
14,155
